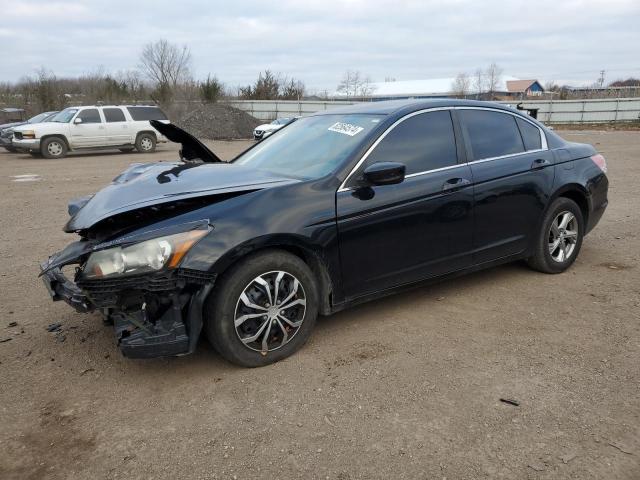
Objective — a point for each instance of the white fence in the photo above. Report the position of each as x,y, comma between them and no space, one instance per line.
550,111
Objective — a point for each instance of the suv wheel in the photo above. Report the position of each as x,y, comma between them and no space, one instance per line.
146,143
53,147
263,309
560,238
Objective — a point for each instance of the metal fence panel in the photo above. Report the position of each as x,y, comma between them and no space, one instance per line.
550,111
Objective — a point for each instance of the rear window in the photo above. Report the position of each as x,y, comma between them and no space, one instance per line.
113,115
491,134
146,113
530,135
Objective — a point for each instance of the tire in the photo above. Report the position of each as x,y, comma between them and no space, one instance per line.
146,143
557,245
225,305
53,147
127,149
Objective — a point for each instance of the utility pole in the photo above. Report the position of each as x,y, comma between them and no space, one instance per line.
601,79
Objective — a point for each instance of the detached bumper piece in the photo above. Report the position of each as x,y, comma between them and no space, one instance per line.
155,315
60,288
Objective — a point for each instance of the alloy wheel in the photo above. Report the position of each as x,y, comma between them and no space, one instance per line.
270,311
563,236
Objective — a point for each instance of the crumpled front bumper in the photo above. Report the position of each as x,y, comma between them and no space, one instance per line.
141,332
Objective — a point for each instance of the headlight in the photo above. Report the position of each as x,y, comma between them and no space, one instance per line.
28,134
148,256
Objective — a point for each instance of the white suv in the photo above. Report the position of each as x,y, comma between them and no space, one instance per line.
94,127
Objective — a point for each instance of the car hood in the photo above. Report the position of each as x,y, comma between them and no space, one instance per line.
10,125
267,126
156,184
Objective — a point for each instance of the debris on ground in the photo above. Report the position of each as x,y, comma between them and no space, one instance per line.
568,457
538,467
510,401
218,121
5,340
620,447
54,327
12,324
87,370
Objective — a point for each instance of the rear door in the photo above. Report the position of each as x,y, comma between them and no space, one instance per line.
91,132
513,176
395,234
119,131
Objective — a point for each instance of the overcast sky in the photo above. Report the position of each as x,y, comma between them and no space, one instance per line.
317,40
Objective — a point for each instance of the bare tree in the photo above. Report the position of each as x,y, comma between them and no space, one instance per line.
354,84
166,65
461,85
134,84
493,76
348,86
478,83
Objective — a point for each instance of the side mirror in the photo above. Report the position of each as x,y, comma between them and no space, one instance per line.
384,173
77,120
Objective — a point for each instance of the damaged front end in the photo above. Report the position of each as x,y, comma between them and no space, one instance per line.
155,309
135,234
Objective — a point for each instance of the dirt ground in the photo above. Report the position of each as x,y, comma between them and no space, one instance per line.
404,387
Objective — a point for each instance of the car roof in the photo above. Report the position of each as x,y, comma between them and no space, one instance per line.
390,107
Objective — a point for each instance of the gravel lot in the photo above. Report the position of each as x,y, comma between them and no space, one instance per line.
404,387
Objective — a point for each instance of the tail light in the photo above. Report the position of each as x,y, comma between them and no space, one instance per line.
600,162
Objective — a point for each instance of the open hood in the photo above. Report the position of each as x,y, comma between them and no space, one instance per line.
156,184
192,148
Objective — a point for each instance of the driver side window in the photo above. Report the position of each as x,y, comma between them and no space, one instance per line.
90,115
423,142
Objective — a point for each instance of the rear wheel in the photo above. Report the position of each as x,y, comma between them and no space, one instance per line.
560,238
53,147
263,309
146,143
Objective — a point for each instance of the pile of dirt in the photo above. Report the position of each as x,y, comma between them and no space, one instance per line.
218,121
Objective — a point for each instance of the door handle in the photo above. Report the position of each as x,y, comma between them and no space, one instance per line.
540,163
454,184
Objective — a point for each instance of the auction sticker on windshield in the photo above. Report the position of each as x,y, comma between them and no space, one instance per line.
345,128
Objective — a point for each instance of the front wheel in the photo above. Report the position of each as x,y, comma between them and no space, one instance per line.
263,309
560,239
53,147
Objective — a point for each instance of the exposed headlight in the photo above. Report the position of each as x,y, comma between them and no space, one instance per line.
148,256
28,134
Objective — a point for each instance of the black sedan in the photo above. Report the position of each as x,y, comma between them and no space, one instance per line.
332,210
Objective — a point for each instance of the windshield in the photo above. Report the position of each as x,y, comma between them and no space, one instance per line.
281,121
310,147
38,118
64,116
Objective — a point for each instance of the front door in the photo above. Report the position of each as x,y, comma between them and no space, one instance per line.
90,132
395,234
